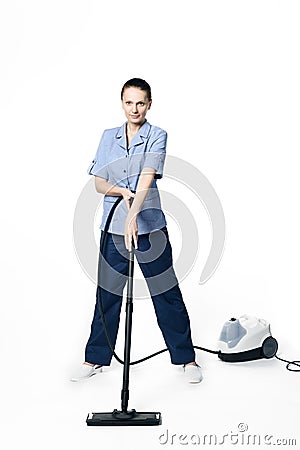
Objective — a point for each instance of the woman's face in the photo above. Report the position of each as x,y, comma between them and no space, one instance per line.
136,105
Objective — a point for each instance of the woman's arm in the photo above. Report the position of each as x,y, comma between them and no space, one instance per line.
106,188
143,186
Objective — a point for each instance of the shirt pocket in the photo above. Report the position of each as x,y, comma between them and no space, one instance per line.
110,198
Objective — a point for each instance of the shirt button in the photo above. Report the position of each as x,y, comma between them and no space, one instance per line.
124,171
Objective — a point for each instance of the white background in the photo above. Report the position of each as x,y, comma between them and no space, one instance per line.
225,80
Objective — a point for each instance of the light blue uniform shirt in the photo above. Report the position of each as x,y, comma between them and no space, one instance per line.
122,166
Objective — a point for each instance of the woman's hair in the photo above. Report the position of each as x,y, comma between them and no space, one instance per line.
137,83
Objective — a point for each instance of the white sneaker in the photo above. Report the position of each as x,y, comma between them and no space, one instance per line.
86,371
193,373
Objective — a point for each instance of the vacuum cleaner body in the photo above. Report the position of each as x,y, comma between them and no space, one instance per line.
246,339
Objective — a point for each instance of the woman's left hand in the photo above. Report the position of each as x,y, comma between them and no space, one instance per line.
131,232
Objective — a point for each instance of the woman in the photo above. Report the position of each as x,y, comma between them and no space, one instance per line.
128,162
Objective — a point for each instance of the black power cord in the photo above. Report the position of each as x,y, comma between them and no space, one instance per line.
289,364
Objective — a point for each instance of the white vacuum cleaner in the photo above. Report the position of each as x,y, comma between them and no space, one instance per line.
245,339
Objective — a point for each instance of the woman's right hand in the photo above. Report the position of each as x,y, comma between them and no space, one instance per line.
127,194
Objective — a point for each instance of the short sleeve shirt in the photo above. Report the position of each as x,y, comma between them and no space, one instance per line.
121,165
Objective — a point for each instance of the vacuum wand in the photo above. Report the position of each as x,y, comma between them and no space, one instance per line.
128,329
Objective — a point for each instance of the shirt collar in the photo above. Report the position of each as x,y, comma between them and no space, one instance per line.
138,138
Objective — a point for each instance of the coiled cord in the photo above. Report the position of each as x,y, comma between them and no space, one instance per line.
290,363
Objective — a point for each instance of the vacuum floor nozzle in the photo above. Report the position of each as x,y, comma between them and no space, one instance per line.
124,418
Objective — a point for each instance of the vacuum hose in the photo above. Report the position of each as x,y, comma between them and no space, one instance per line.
102,245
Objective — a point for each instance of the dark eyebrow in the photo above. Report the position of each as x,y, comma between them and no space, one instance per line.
130,101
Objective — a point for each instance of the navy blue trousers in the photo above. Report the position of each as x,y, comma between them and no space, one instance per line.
154,256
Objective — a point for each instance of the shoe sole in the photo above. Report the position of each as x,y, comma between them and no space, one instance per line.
195,381
95,372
